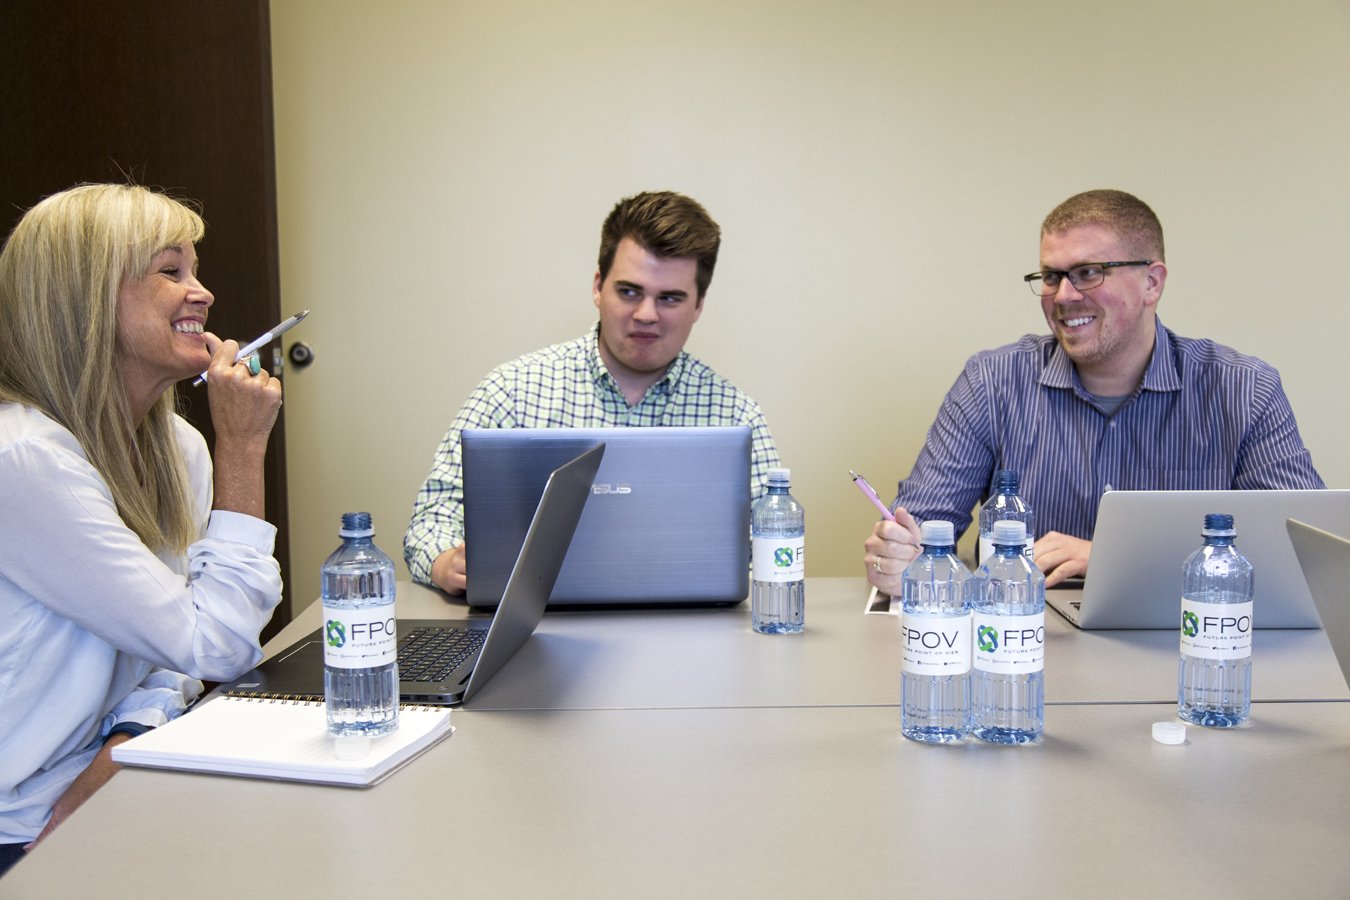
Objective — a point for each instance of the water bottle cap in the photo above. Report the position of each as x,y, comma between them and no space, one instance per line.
1010,531
937,533
1218,525
1005,481
356,524
1169,733
780,475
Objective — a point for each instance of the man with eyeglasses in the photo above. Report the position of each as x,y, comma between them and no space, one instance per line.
1110,399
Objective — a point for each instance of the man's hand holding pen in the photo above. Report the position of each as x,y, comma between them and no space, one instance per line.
891,547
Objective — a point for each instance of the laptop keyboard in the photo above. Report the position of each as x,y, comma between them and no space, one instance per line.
432,654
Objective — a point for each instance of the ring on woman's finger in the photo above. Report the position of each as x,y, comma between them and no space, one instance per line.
876,564
254,364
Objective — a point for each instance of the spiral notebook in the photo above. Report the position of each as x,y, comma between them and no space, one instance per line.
279,739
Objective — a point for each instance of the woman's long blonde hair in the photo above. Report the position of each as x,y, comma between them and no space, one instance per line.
61,271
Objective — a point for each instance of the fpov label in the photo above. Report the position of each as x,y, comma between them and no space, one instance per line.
1009,645
359,638
778,558
935,645
1216,630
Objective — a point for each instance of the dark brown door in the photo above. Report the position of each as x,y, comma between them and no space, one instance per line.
170,95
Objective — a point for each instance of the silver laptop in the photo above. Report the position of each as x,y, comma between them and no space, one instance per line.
442,663
667,522
1142,539
1325,558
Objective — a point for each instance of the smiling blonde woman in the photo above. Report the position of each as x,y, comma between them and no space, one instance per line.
130,565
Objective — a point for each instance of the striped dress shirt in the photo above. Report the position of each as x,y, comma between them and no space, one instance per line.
568,386
1205,417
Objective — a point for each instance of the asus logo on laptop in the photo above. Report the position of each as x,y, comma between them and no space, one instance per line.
611,489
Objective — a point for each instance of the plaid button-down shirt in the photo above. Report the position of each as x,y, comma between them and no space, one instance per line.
568,386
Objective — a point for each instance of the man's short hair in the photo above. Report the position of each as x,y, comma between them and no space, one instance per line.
667,225
1125,214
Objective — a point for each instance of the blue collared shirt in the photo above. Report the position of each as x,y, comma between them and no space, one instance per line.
1205,417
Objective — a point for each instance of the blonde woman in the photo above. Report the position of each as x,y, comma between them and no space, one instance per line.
130,566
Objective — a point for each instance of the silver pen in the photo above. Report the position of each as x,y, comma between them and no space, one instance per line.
262,340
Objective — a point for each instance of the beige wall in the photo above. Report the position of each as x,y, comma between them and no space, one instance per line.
879,171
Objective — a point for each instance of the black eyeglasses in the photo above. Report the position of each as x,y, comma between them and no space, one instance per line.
1084,278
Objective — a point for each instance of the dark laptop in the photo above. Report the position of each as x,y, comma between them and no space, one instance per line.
443,664
667,523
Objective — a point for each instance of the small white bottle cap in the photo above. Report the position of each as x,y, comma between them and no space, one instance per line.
351,746
938,533
1169,732
1009,532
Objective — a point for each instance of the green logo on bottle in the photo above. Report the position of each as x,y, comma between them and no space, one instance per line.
782,557
335,632
987,638
1190,624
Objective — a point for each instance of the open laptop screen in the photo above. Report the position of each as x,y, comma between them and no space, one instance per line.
1143,537
667,523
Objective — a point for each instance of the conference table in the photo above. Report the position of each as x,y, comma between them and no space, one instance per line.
674,753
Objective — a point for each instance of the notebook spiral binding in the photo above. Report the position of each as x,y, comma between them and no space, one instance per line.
305,699
275,698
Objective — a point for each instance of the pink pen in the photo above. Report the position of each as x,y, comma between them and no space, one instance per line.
870,494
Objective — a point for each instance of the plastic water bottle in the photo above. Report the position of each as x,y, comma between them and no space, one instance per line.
935,624
1005,503
360,647
1008,686
778,559
1214,679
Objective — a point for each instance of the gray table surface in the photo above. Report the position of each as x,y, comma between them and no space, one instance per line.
674,659
665,754
816,802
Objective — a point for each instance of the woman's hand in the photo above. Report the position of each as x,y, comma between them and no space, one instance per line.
244,407
99,770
